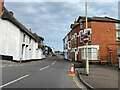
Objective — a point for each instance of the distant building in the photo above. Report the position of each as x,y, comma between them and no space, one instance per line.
53,50
17,42
103,36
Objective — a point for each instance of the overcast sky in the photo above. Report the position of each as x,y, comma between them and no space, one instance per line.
51,20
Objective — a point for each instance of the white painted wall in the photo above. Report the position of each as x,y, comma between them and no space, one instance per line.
11,42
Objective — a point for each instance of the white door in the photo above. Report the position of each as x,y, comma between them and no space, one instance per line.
76,53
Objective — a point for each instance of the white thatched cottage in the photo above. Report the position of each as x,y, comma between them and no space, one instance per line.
15,40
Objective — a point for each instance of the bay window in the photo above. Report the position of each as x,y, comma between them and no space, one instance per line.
92,54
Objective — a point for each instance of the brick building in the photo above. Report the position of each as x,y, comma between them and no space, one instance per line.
103,36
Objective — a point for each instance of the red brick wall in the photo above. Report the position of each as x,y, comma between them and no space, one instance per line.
103,34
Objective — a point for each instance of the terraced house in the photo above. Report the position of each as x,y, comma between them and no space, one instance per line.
17,42
103,36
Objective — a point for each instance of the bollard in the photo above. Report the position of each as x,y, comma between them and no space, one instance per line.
20,60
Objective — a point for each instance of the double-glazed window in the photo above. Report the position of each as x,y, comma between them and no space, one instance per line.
117,26
92,53
118,36
69,44
81,25
81,36
88,32
75,38
89,35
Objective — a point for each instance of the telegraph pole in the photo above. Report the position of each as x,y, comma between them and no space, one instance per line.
87,62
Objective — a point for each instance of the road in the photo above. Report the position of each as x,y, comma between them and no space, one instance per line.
52,72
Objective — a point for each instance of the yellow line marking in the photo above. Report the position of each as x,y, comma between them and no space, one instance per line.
77,83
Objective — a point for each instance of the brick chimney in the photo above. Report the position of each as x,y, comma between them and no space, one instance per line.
30,29
1,6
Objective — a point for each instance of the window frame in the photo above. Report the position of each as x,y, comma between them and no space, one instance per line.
81,38
117,36
83,54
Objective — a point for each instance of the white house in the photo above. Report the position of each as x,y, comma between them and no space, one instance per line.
16,41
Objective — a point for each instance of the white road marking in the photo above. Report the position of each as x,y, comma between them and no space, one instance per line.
10,65
13,81
45,68
53,62
2,66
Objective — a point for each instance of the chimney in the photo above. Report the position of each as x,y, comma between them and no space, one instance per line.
30,29
1,6
11,13
75,22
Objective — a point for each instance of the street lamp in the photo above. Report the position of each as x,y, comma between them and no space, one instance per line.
87,63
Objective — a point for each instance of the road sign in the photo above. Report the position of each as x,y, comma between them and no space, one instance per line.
46,51
85,39
110,51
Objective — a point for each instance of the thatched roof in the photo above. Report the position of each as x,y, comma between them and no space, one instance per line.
7,16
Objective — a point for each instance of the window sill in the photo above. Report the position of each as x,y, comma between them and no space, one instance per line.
117,40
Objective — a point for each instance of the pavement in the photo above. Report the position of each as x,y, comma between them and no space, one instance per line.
50,73
101,77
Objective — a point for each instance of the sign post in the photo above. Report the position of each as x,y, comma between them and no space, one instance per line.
87,63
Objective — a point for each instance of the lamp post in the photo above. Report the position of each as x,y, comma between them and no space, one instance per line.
87,63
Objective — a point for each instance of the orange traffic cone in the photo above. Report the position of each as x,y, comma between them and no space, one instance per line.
72,71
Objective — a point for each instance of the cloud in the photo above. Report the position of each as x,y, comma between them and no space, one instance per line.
52,20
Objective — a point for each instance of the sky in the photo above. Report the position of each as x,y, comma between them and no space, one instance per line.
52,20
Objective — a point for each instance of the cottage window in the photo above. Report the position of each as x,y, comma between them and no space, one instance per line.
92,53
22,49
81,36
118,36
